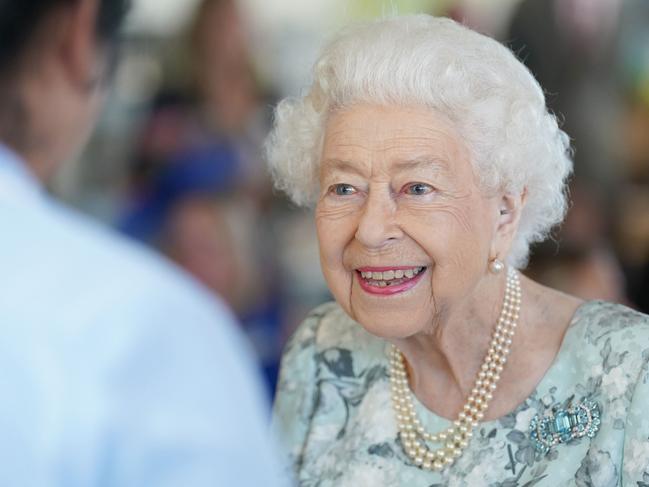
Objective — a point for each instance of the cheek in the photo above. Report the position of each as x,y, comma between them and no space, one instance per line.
457,240
335,232
444,229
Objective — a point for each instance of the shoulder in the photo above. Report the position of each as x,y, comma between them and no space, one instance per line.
602,320
329,326
110,251
97,255
150,287
330,338
613,345
612,331
84,276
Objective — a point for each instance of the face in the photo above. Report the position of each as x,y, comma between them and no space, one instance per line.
64,90
405,231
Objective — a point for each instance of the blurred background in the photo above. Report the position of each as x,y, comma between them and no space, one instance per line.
177,160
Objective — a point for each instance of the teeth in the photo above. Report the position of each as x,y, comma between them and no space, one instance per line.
390,275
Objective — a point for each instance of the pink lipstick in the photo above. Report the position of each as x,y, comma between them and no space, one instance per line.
387,281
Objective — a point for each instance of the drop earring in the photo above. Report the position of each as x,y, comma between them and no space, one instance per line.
496,266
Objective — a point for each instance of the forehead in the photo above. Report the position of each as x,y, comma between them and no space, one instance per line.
391,137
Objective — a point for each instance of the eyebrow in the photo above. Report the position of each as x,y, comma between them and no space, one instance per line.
422,162
341,165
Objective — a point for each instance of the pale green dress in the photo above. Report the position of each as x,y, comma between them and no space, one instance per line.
333,410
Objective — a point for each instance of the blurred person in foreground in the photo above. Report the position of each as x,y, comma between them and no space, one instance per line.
433,163
115,368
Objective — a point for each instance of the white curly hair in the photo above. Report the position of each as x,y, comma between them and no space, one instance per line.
493,100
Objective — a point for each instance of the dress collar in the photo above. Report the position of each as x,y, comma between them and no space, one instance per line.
18,185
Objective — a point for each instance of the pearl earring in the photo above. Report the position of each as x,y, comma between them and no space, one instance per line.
496,266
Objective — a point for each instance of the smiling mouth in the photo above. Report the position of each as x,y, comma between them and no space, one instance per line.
386,280
392,277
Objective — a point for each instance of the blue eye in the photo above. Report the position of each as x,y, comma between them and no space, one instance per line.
342,189
418,189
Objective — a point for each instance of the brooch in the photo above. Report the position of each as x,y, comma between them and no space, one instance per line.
563,425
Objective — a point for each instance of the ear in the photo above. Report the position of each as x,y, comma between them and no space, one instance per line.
79,50
509,210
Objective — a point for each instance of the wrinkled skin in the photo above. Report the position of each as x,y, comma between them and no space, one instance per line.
397,188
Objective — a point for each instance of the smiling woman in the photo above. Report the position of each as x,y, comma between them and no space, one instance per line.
432,164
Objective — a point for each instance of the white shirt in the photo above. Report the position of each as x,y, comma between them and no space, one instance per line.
115,368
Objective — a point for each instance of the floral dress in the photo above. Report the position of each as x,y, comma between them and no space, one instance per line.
333,410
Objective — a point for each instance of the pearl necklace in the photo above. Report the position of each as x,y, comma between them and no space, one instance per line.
414,438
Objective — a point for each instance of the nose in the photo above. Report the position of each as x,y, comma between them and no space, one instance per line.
378,225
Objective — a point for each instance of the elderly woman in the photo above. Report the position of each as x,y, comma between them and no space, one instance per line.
433,164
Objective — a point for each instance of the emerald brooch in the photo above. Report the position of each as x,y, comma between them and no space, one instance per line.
564,425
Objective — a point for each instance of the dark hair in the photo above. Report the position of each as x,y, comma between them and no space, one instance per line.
20,19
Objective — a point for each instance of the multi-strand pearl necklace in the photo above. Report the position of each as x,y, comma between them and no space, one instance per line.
415,439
